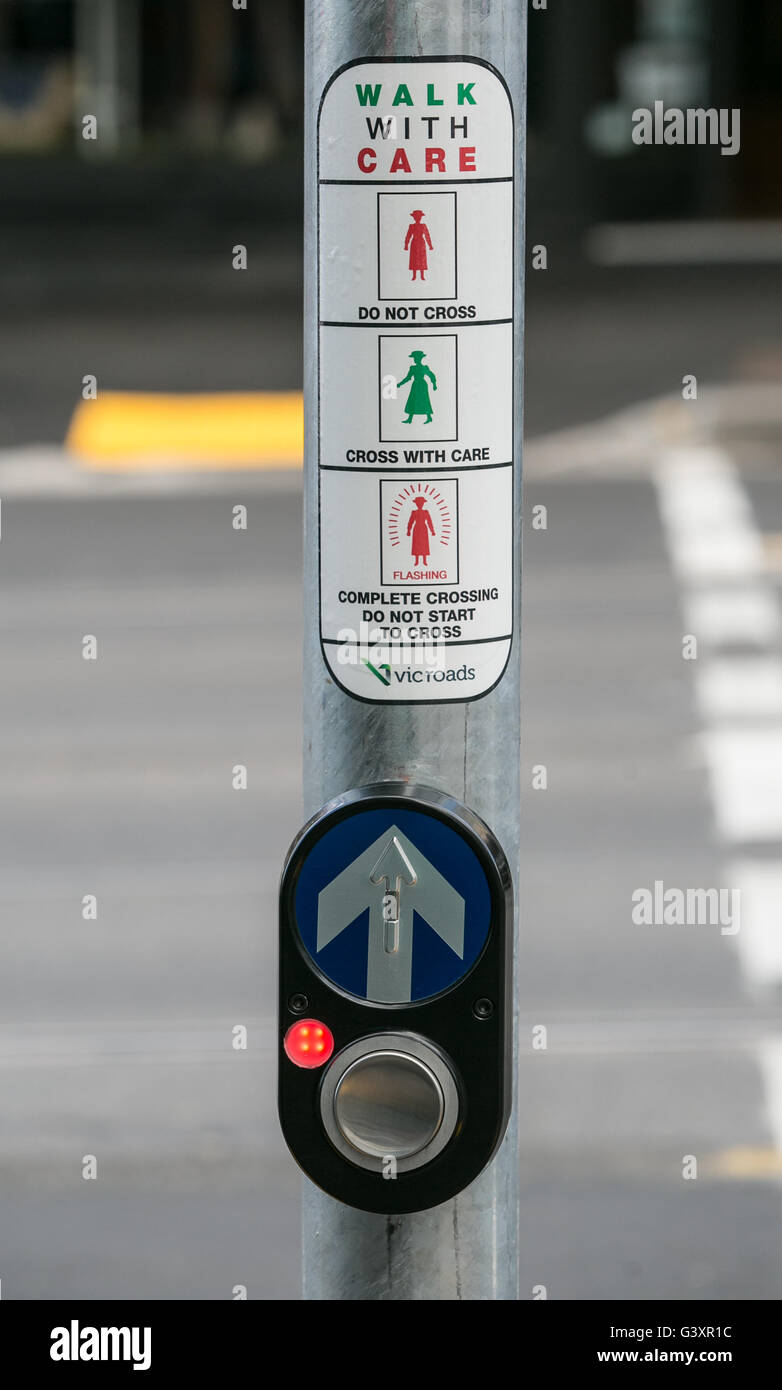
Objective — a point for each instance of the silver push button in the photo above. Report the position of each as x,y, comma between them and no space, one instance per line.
391,1095
388,1103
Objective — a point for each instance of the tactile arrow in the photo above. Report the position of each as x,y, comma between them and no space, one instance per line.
391,868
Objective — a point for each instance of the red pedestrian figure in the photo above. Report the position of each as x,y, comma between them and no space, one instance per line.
420,524
418,239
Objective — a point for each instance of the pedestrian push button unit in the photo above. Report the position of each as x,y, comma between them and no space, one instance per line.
395,916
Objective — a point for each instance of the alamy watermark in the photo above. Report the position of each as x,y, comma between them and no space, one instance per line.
687,907
697,125
77,1343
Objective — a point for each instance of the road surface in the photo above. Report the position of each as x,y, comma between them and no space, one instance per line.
117,1033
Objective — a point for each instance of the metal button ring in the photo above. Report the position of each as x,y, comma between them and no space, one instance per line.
389,1096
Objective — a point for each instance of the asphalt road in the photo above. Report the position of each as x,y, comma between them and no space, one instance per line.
116,1034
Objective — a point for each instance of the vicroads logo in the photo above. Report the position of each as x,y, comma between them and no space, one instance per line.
382,671
418,676
76,1343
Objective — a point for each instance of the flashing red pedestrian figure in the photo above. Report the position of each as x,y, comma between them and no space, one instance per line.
420,524
418,239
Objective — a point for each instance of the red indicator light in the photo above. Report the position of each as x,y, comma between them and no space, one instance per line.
309,1043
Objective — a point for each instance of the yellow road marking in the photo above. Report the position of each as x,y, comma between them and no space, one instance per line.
745,1163
128,430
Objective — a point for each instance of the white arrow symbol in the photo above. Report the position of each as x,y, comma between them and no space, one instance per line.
392,860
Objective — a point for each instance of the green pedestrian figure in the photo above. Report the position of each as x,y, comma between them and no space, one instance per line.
418,401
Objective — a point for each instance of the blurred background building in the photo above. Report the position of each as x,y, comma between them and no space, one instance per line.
193,77
199,110
196,79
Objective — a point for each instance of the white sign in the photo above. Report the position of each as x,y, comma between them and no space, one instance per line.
415,297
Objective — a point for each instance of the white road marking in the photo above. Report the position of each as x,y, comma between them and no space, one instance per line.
729,616
759,941
708,517
717,551
745,769
738,688
770,1058
714,542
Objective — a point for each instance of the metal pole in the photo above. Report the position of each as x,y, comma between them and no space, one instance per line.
466,1248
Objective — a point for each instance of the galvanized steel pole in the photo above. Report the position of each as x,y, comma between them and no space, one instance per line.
466,1248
